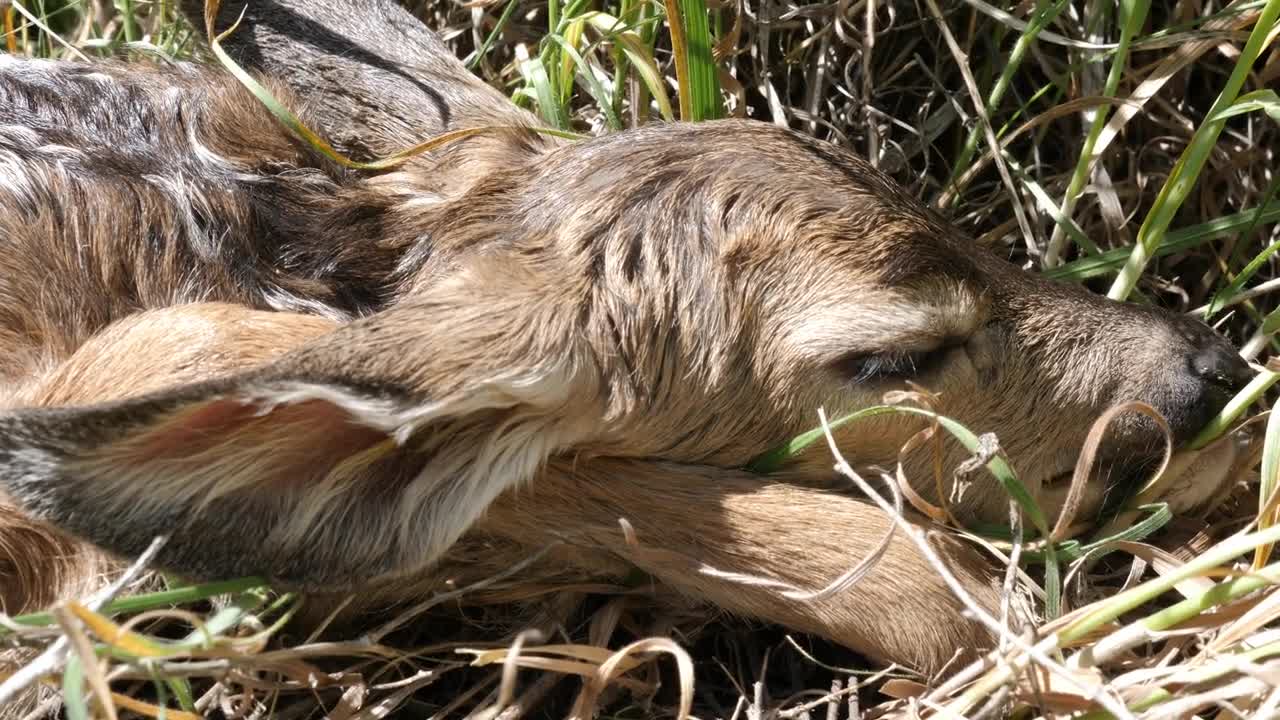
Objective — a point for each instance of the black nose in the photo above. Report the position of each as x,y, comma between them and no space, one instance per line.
1219,367
1203,373
1216,373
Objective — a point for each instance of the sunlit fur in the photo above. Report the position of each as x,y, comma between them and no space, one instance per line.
514,336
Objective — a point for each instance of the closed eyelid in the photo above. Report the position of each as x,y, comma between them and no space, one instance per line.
898,362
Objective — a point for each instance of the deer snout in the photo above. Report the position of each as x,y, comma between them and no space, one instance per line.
1220,373
1208,373
1220,368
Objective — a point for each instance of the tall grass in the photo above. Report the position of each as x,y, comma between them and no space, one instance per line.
1142,142
570,56
1182,178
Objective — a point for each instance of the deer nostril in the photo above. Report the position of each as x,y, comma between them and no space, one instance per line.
1220,366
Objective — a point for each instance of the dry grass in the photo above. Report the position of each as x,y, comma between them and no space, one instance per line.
1176,624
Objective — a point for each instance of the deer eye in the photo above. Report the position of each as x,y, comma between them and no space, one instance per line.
897,364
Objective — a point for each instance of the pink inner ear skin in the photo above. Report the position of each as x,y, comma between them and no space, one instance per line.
314,432
195,430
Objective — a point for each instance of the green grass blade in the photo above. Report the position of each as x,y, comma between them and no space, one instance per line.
1271,104
1223,296
1265,100
548,98
1268,481
1174,242
638,54
1186,171
1228,416
572,37
701,72
74,702
680,53
603,100
1072,550
1271,323
181,689
1212,559
155,600
1133,14
1160,516
492,37
775,459
1045,203
1045,13
999,468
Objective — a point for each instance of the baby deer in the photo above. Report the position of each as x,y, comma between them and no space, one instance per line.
517,337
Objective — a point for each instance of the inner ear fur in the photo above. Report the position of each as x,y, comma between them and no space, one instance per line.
144,352
363,454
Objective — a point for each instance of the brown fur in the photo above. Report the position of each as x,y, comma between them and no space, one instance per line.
143,352
546,336
41,565
683,517
232,208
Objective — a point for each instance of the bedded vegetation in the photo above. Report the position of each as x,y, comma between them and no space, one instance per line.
1129,146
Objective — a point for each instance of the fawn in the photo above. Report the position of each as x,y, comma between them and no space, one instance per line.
340,379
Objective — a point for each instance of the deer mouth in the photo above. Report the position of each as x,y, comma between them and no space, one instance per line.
1111,478
1189,480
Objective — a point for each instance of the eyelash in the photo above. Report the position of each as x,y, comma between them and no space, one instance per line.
865,367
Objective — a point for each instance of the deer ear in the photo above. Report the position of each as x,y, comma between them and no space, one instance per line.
311,484
364,454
